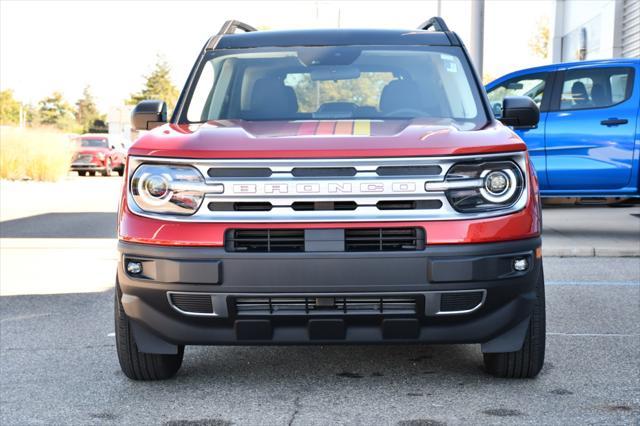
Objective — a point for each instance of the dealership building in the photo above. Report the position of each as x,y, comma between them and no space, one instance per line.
595,29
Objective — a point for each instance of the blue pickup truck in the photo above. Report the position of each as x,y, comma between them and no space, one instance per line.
587,143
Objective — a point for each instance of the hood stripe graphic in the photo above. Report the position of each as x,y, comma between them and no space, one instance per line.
362,128
342,127
307,128
325,128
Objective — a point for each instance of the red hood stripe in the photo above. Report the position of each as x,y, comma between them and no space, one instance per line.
307,128
325,128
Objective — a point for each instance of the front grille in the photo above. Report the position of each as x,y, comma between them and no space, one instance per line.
460,301
83,158
265,240
192,303
325,305
384,239
353,239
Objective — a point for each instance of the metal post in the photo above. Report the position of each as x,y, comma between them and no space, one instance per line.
477,34
439,10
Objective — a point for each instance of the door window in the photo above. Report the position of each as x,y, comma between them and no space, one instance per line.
531,85
589,88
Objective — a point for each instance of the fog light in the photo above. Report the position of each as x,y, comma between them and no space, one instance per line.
134,268
520,264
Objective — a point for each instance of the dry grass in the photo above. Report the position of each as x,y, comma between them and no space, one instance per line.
37,154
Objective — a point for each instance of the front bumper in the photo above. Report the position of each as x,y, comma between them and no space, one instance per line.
78,167
495,318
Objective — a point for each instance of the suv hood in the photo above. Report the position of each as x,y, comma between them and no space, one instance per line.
323,139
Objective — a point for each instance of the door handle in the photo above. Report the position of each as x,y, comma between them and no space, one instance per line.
614,121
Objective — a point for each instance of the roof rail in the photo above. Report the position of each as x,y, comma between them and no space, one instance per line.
229,27
436,22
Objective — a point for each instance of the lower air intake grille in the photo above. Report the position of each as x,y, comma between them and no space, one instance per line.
384,239
460,301
192,303
265,240
322,305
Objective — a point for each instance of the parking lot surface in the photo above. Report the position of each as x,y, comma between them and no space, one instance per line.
58,363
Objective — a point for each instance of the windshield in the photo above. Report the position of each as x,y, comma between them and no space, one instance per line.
94,143
336,82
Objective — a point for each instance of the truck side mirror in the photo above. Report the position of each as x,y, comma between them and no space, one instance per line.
149,114
520,112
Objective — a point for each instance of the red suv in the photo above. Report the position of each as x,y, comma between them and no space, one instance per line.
94,153
330,187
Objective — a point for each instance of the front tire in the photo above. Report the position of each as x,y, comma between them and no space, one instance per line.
528,361
82,173
138,365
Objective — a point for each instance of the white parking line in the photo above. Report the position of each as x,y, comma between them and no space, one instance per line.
630,283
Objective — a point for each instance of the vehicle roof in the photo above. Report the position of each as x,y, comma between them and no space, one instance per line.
567,65
333,37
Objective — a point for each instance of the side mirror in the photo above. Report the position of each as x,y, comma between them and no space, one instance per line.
149,114
519,112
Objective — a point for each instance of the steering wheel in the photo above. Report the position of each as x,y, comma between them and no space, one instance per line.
404,112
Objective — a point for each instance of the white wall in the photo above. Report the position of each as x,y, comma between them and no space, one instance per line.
598,17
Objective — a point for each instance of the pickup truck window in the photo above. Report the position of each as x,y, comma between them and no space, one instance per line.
531,85
595,88
337,82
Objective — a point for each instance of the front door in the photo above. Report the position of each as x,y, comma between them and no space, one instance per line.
590,129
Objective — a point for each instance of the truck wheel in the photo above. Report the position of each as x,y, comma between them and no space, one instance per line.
92,173
82,173
107,168
121,170
527,362
138,365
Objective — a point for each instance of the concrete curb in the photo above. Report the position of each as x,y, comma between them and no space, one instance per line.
590,252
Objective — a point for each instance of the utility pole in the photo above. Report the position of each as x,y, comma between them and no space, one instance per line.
477,34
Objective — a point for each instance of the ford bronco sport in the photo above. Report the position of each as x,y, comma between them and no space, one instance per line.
330,187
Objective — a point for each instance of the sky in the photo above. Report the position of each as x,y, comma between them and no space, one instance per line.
48,46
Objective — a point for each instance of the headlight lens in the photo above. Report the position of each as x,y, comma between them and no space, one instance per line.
100,156
498,185
167,189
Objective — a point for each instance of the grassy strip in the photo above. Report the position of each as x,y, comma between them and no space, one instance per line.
38,154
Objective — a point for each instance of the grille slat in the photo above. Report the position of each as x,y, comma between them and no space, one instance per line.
384,239
324,305
265,240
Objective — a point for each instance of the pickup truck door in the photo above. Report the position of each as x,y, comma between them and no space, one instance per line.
537,86
590,128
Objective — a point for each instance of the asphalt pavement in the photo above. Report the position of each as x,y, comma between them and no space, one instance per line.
58,363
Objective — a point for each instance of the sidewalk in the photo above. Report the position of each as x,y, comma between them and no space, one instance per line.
586,231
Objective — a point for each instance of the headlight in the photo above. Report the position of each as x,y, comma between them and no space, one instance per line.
482,187
100,156
167,189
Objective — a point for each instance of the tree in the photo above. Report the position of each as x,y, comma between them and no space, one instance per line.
539,41
158,85
55,111
9,108
87,113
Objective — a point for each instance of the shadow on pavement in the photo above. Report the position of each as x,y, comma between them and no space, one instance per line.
61,225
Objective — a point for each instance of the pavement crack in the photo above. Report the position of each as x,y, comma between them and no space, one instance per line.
296,410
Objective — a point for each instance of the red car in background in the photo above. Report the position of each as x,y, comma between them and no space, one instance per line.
94,153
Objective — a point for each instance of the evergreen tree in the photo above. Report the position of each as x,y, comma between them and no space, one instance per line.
55,111
158,85
86,111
